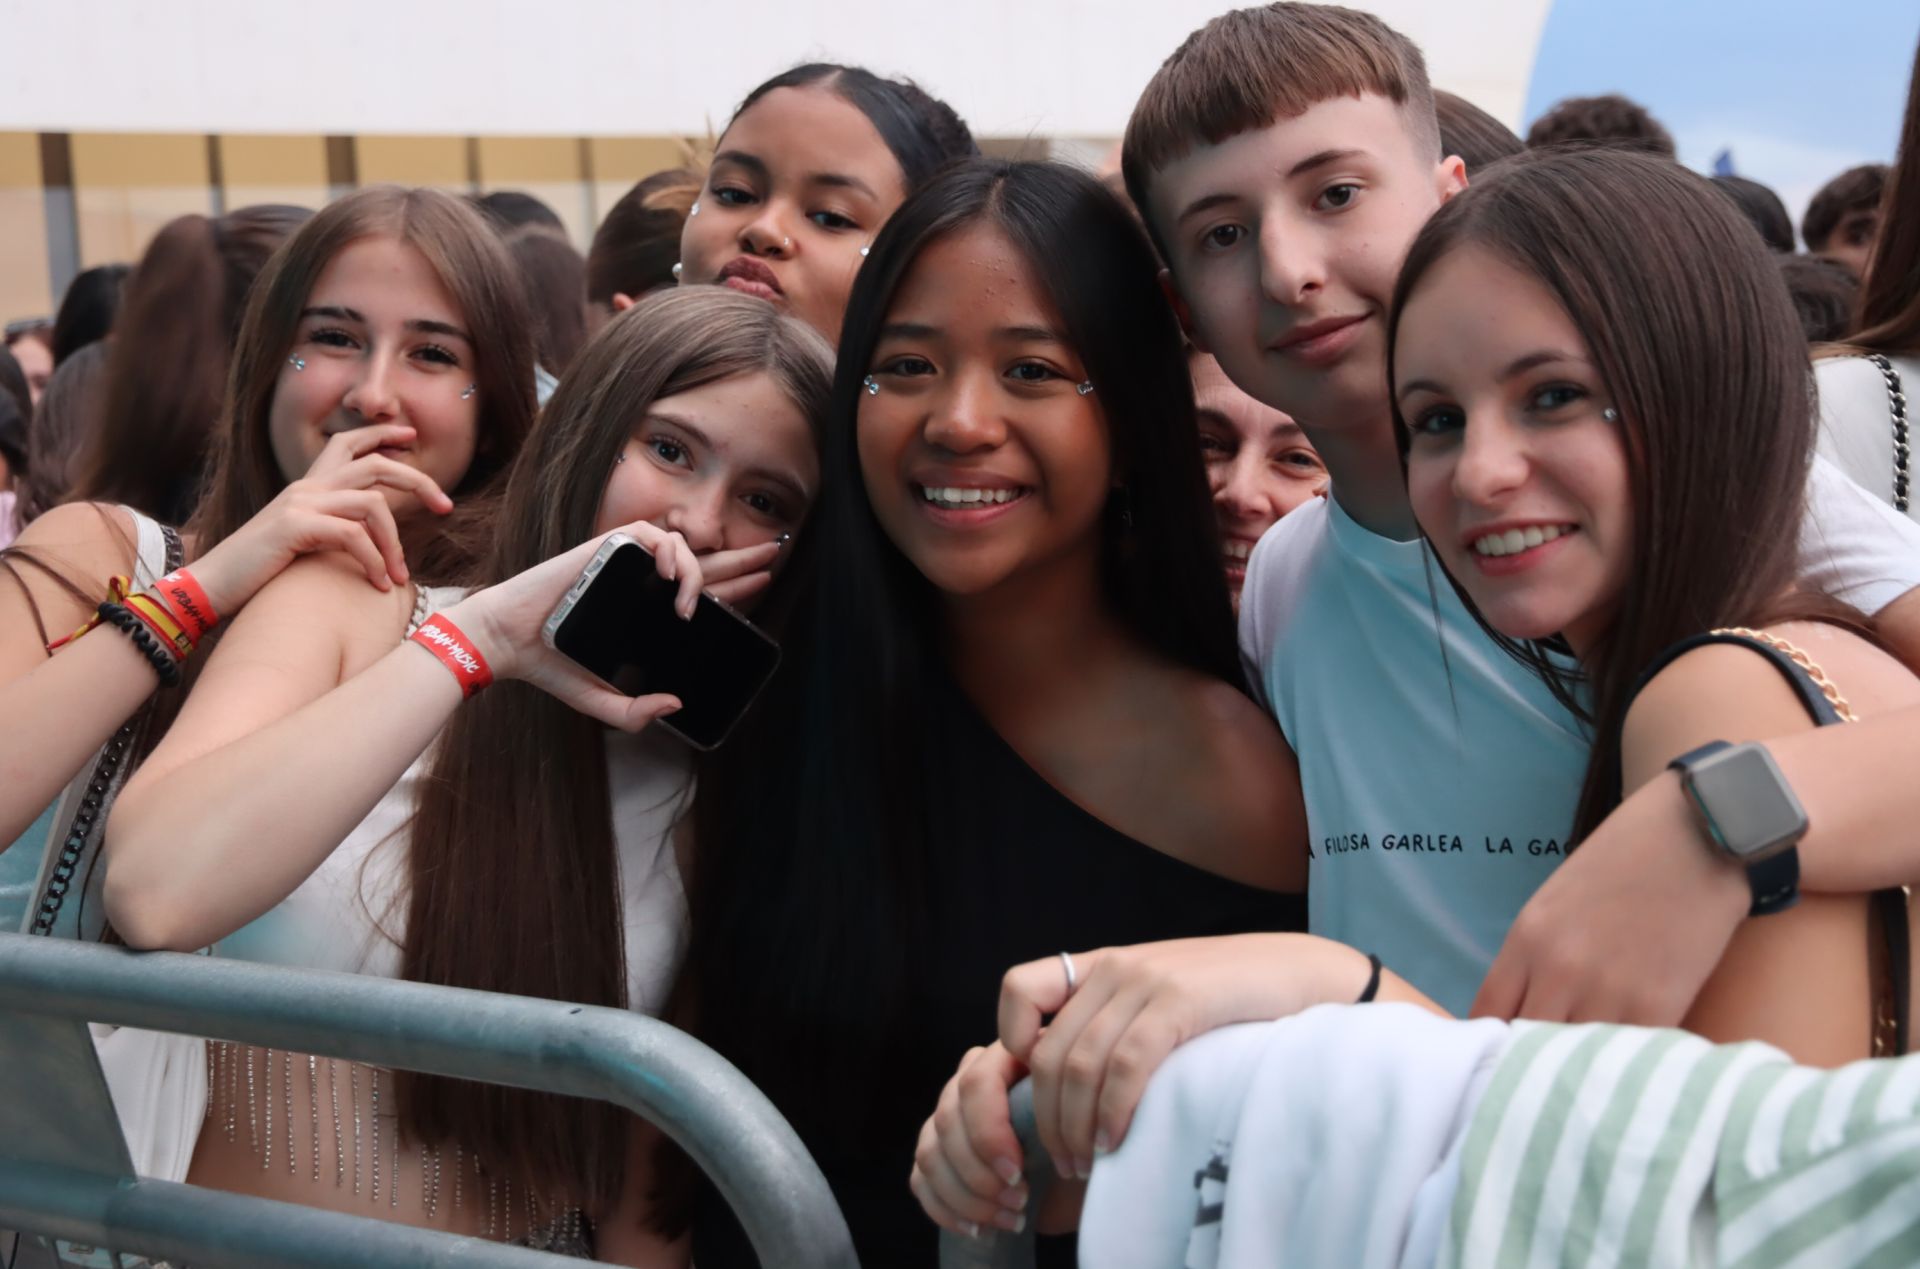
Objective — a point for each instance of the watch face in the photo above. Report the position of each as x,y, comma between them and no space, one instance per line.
1753,809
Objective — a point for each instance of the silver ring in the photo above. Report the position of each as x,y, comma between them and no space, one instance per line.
1073,979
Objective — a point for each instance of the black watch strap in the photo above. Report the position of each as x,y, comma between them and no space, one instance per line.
1774,881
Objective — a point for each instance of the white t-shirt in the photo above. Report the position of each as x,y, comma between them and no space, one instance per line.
1440,775
1856,420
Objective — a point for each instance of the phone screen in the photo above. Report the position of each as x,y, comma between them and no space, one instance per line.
624,629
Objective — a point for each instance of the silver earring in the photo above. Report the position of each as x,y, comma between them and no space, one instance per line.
298,363
871,385
693,210
676,270
783,540
1084,389
1610,414
863,252
468,394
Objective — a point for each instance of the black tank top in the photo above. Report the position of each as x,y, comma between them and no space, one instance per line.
1016,871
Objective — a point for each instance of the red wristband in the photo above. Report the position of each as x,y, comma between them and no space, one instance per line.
455,651
182,597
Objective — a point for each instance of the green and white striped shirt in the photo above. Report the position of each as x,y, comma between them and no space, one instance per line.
1607,1145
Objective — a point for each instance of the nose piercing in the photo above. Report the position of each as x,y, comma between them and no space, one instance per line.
676,270
786,244
1084,389
872,387
1610,414
298,363
468,394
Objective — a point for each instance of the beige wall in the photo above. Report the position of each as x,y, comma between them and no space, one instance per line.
24,287
126,186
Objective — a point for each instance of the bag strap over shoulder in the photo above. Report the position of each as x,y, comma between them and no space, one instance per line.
1825,705
1897,408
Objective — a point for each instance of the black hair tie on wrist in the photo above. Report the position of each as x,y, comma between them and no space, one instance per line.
1373,981
122,617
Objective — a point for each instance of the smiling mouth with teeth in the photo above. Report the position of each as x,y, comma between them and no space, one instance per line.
1514,541
954,499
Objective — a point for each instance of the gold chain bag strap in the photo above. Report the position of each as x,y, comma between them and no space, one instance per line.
1887,930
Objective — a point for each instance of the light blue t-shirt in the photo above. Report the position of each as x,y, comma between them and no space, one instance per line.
1440,776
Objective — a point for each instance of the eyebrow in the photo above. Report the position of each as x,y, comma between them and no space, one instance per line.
1519,366
1021,334
1205,414
1207,202
757,165
791,483
426,325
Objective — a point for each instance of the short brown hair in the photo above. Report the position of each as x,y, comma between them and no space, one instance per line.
1250,67
1610,120
1857,189
635,248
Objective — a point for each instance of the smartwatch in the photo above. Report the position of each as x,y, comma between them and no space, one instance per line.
1750,815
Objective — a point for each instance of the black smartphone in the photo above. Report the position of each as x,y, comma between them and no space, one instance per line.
618,622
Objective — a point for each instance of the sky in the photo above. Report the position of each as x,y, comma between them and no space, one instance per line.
1798,91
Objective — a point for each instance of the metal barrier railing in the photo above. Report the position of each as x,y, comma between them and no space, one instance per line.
65,1172
997,1249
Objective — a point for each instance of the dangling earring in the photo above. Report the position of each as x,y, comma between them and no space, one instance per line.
1084,389
871,385
676,270
298,363
468,394
1610,414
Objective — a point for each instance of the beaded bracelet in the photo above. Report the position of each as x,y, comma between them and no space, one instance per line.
126,620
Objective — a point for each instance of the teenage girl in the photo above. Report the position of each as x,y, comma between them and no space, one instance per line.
512,845
382,372
809,168
1024,720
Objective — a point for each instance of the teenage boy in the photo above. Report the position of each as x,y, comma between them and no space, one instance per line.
1284,158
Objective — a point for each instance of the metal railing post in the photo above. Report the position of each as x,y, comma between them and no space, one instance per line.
997,1249
725,1124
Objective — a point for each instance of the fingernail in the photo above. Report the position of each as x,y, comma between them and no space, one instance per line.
1102,1143
1007,1170
1014,1198
1012,1222
1083,1168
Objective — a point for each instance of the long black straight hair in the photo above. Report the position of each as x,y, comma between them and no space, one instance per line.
811,825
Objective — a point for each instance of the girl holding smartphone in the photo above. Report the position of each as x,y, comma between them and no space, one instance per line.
512,845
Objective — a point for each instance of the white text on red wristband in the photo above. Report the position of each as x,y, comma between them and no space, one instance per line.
455,651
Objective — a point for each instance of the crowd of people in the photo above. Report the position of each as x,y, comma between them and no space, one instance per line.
1562,506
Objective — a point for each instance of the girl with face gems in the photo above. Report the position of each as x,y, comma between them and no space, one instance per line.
809,168
1016,677
373,383
1607,468
688,423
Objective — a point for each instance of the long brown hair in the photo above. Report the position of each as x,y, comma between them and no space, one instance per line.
483,281
1890,298
1695,338
514,875
167,364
